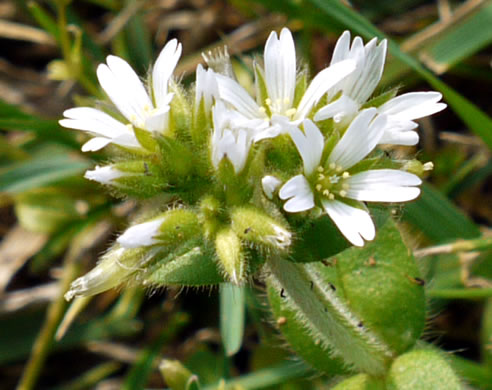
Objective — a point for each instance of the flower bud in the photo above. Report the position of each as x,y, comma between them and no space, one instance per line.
114,268
169,229
256,227
177,376
417,168
230,254
140,178
422,369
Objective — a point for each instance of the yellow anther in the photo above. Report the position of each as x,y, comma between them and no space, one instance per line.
332,165
339,168
331,196
290,111
262,110
319,187
321,176
287,101
129,126
343,193
326,193
268,101
345,175
320,169
345,186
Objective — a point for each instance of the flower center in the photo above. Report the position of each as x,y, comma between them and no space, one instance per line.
331,182
279,107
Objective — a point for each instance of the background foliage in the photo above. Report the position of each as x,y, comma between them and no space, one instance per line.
55,224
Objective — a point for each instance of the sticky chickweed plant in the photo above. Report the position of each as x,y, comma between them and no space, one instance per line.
290,185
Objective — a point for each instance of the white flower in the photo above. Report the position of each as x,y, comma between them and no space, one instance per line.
229,139
280,81
331,184
142,234
358,87
130,97
103,175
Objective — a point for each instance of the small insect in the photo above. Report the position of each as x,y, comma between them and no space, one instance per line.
332,286
282,293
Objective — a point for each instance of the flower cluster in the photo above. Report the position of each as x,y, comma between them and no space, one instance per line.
239,166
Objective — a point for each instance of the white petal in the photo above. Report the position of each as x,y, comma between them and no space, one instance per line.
400,137
157,121
94,121
280,70
300,194
103,175
310,145
140,235
383,185
342,47
270,184
355,224
340,108
413,105
125,89
206,87
359,140
321,83
95,144
234,94
163,69
372,66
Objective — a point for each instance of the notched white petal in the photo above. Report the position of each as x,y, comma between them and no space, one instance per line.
354,223
300,194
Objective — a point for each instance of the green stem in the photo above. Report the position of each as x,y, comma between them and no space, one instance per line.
44,340
327,318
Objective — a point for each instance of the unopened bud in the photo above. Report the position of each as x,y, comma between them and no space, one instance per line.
168,229
177,376
229,251
139,178
114,268
253,225
417,168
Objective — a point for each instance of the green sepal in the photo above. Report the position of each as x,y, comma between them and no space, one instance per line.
201,128
230,254
424,369
193,264
177,158
141,179
178,226
301,86
146,139
379,100
260,87
180,113
253,225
